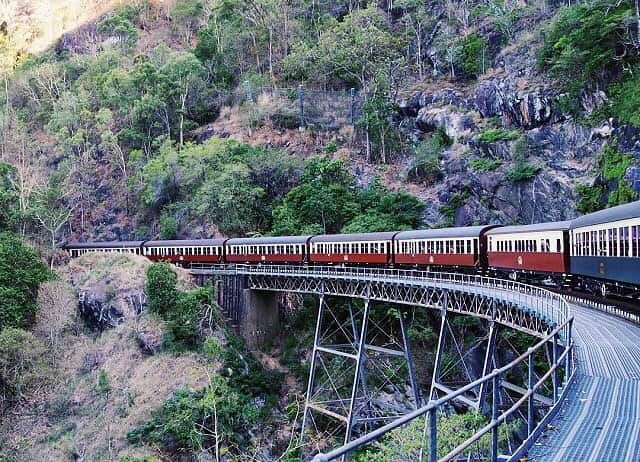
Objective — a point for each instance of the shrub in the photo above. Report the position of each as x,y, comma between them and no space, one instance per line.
161,287
590,42
21,363
426,166
485,164
610,184
625,100
21,273
449,210
589,198
103,387
522,172
493,135
188,419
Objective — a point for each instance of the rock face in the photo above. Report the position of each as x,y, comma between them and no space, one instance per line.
525,110
103,307
110,287
455,124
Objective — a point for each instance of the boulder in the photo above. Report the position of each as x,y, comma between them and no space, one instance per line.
102,306
454,123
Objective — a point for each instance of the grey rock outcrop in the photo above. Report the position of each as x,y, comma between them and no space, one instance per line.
454,123
527,110
103,307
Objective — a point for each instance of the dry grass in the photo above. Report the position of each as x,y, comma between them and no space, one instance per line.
104,386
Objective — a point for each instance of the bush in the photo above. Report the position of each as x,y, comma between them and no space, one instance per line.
21,273
180,310
449,210
162,280
522,172
21,363
188,419
588,43
426,166
485,164
624,102
493,135
610,184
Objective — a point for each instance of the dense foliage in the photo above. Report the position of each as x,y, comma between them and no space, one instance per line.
591,44
179,309
219,417
610,187
22,363
219,182
21,272
328,201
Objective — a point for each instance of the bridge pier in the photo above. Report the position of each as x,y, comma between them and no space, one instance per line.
259,317
252,314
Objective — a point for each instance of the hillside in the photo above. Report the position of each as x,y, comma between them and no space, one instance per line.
143,119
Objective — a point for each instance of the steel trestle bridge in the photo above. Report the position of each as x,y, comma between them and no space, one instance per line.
352,340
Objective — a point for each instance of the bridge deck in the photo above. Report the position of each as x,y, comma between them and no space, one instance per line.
600,422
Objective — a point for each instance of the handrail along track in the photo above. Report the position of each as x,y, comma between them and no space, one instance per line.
531,309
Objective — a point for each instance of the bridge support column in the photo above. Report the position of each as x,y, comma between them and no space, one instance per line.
259,316
252,314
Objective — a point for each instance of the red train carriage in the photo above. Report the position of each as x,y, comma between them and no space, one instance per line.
541,248
361,248
77,249
185,251
284,249
451,247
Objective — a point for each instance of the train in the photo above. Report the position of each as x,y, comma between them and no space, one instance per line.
595,253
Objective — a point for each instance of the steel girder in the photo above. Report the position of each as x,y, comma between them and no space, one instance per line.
490,308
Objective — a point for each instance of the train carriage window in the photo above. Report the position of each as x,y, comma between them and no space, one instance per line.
613,242
602,242
624,241
635,240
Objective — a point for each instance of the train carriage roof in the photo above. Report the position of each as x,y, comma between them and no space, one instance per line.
103,245
538,227
621,212
268,240
186,243
443,233
356,237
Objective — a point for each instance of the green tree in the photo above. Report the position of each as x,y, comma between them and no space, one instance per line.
360,50
472,54
168,227
589,43
118,25
21,273
328,201
162,289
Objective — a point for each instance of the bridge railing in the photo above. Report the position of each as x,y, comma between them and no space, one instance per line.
498,417
549,306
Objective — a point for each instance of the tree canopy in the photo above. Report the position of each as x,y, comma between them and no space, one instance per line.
21,272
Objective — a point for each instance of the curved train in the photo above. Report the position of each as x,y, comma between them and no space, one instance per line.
598,252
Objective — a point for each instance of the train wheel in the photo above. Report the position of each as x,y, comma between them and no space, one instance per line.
603,289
